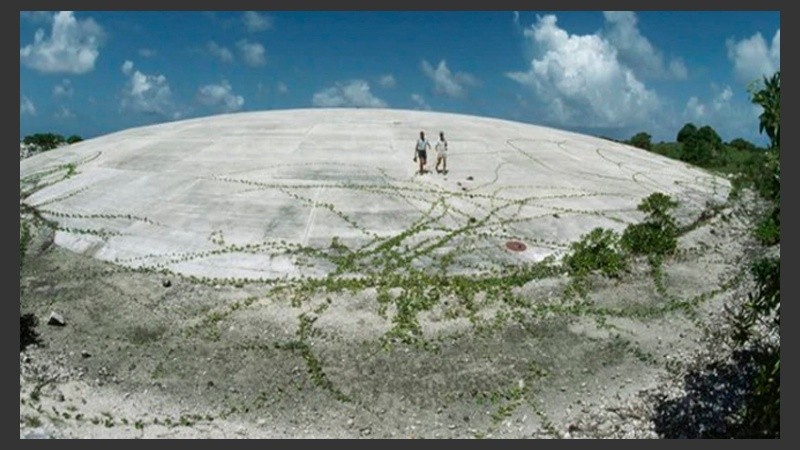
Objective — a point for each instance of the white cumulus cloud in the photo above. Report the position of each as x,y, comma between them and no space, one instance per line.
678,69
695,109
149,94
635,50
720,105
753,58
26,106
72,47
354,93
581,81
220,52
420,101
387,81
723,99
446,82
220,96
728,111
63,89
127,67
255,22
147,52
253,53
282,88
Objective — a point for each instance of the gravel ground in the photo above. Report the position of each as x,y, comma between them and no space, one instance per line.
147,356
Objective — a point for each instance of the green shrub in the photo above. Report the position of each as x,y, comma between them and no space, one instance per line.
641,140
649,239
44,141
597,251
761,303
658,206
761,414
768,230
760,417
658,234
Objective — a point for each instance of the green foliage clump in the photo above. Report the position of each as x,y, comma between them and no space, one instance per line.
44,141
597,251
701,147
761,414
24,240
49,141
764,303
742,145
649,239
769,98
687,132
767,180
768,230
658,234
641,140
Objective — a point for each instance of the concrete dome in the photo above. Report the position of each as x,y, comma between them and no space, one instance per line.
277,194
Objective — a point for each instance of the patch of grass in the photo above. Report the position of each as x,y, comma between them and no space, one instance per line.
768,230
24,239
144,334
301,345
33,421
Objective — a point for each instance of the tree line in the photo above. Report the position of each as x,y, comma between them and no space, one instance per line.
49,141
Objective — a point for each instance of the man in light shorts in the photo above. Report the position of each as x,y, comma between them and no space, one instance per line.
441,153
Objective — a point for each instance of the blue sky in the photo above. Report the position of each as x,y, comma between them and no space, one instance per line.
602,73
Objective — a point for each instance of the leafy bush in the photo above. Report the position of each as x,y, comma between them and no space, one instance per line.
743,145
44,141
686,132
649,239
702,147
658,234
658,205
597,251
765,302
761,415
641,140
768,230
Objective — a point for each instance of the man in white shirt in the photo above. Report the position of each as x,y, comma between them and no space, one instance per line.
441,153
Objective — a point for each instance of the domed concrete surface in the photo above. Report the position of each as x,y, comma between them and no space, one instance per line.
278,194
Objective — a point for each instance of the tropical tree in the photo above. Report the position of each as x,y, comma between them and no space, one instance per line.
641,140
686,132
769,98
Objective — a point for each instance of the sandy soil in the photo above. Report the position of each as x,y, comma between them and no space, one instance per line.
145,355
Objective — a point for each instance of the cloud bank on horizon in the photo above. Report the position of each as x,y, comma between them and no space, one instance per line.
604,73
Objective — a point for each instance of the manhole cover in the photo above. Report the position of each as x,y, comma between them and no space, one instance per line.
515,246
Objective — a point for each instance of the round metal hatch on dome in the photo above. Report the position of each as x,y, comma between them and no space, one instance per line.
516,246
